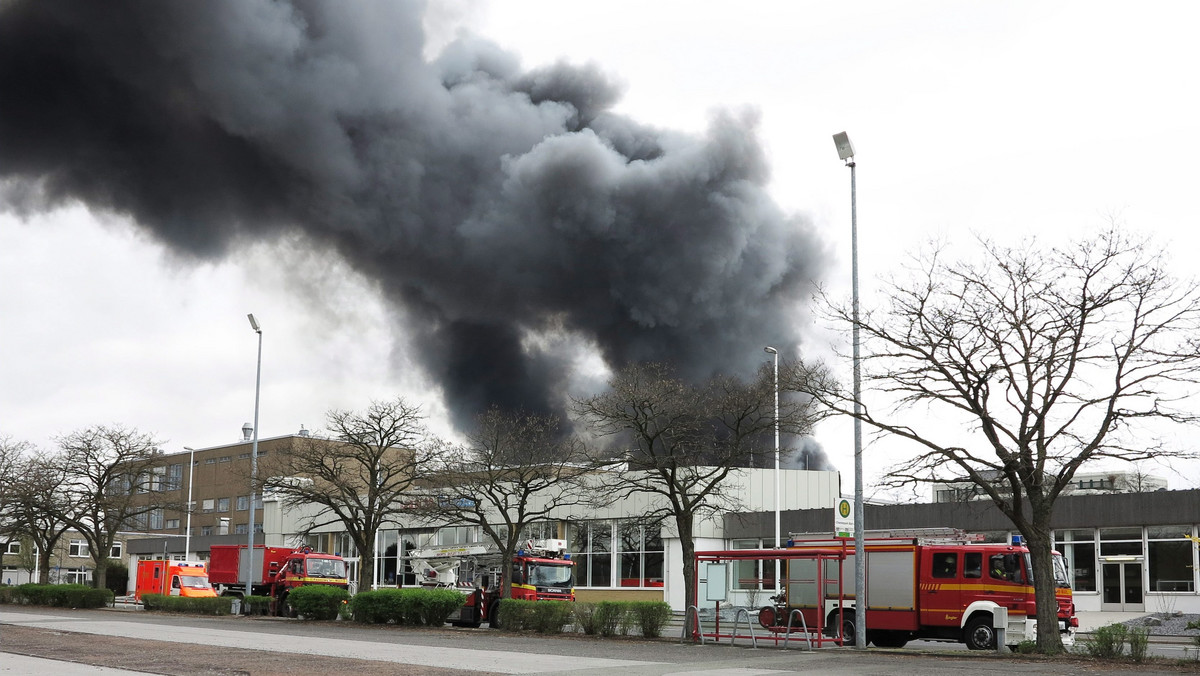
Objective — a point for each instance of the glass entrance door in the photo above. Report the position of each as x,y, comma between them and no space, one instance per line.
1122,587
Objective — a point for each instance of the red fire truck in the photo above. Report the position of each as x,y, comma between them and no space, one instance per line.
948,588
282,569
541,571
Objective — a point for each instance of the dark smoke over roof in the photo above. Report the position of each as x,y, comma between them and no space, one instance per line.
493,205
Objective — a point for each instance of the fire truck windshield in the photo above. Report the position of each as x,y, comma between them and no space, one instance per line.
549,575
1061,579
326,568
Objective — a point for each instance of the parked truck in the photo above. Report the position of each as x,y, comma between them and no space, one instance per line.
540,571
172,578
951,588
276,572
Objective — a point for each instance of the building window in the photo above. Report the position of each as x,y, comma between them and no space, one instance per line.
115,552
208,506
593,552
78,548
156,519
243,503
210,461
1078,548
751,574
641,555
456,535
1169,559
223,504
206,530
174,478
73,576
172,524
244,456
13,547
240,529
1121,542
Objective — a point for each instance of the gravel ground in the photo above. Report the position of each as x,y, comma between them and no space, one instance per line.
1166,624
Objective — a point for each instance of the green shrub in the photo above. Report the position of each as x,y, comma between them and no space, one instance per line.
1194,624
610,617
1026,647
652,616
62,595
212,605
585,618
318,601
8,594
256,605
1107,641
516,614
1139,641
412,606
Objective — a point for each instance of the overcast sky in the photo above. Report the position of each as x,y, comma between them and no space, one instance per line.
1004,119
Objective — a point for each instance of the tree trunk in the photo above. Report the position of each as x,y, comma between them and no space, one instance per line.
684,523
44,557
100,575
1040,553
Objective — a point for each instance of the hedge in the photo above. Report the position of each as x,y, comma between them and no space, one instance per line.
410,606
612,618
61,595
544,617
317,601
211,605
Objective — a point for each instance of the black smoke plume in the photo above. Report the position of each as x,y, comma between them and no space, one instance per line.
495,206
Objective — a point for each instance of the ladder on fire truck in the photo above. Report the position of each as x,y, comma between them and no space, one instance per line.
935,535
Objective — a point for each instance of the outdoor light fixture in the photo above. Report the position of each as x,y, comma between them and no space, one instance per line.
254,454
846,152
844,147
770,350
187,538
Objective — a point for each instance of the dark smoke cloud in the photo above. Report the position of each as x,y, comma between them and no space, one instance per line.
492,204
805,453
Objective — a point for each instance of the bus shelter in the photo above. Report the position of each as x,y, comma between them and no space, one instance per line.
811,577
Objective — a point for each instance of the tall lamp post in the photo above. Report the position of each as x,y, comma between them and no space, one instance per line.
254,454
771,350
846,153
187,538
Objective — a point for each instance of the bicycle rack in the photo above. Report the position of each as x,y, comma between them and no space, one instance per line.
803,625
692,611
749,625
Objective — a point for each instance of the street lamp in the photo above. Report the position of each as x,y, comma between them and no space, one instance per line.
254,455
846,152
187,538
771,350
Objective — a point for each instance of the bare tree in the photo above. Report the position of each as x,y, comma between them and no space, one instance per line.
107,486
36,507
682,441
517,469
359,473
1026,365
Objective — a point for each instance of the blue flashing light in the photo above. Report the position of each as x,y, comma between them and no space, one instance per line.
567,557
1017,540
520,552
791,542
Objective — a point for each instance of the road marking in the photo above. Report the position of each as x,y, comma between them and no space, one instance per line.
459,658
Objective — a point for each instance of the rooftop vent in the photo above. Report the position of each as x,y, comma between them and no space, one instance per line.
303,432
247,431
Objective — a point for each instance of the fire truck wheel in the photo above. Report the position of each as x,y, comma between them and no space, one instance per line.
847,625
979,634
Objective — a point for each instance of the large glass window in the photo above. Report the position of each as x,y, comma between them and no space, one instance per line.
641,555
757,573
1121,542
1078,547
591,544
1169,558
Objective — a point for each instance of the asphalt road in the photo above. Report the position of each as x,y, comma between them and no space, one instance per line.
188,646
